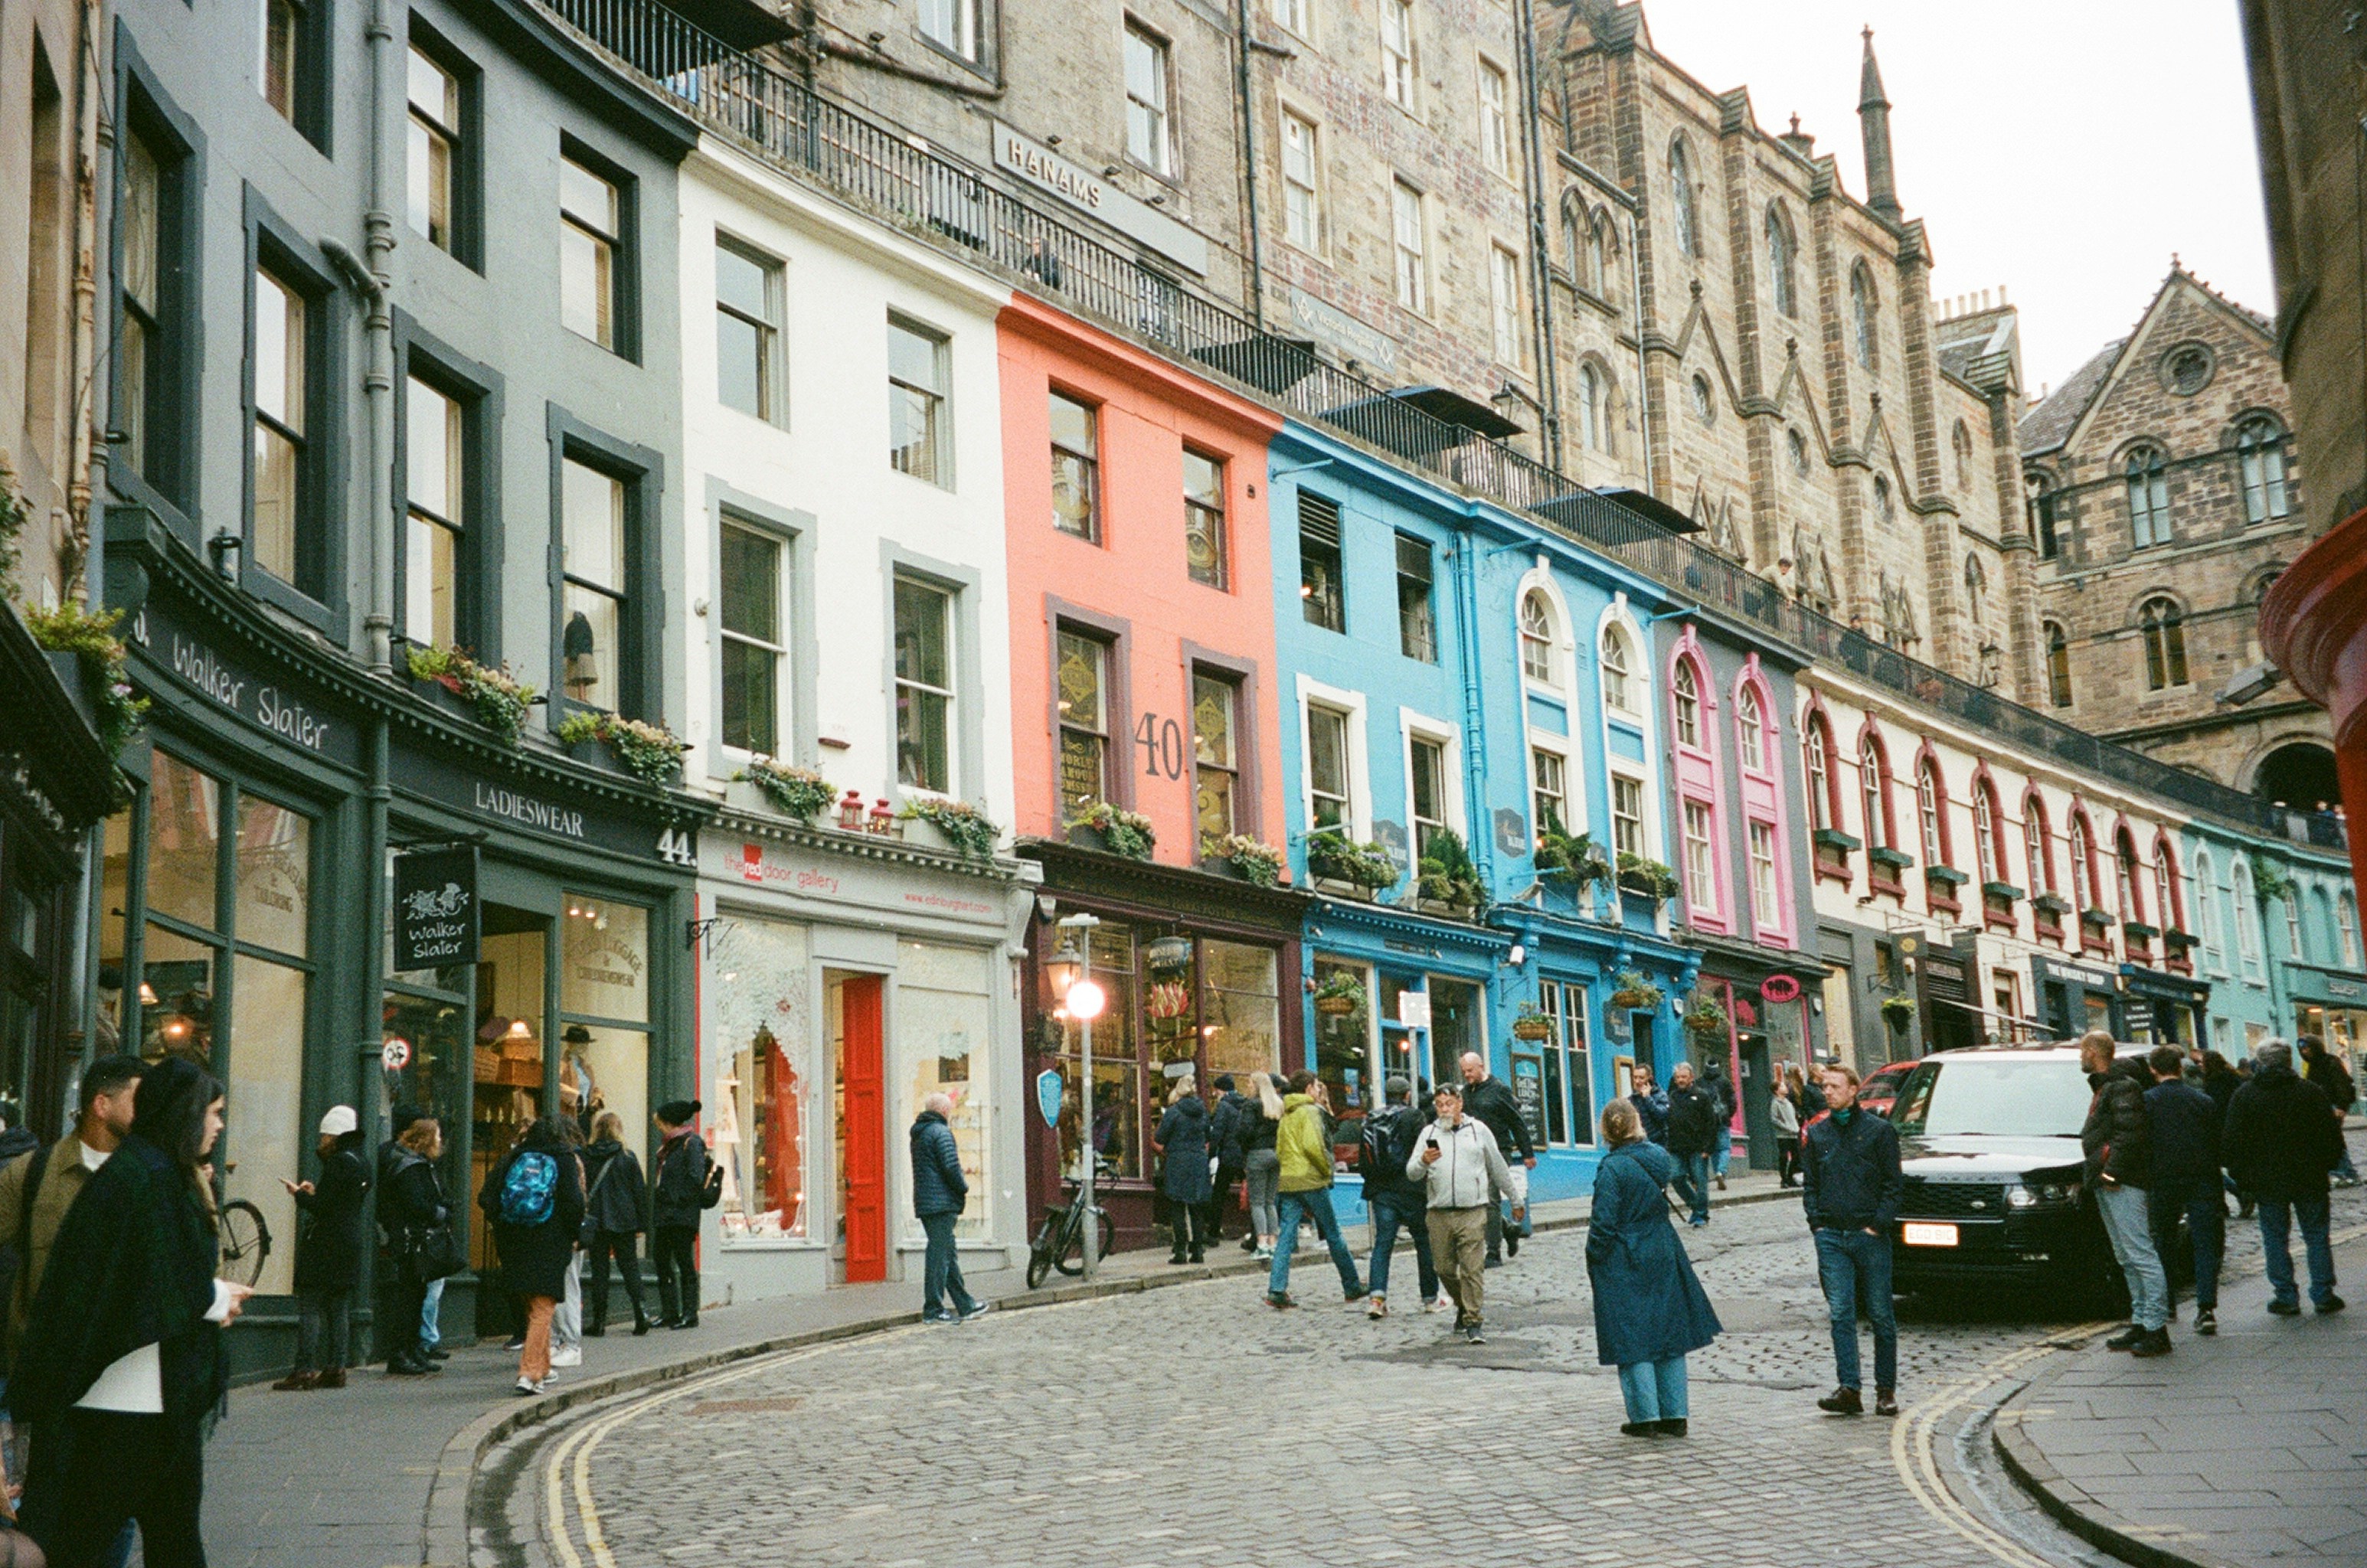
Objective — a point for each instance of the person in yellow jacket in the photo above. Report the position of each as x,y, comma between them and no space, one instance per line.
1304,1149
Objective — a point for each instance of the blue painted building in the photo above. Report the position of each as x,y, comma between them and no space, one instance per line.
1447,698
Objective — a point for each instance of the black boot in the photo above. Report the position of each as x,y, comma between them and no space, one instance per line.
640,1321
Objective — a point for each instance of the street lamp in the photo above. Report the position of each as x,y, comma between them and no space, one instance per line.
1070,973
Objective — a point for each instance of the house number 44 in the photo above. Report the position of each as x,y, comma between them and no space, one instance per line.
678,848
1161,740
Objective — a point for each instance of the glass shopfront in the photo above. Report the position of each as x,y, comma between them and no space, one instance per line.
764,1014
1367,1030
941,1013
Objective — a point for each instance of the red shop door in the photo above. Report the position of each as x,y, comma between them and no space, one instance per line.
865,1131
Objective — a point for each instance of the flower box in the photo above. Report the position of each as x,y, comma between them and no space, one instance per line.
1834,839
1897,859
2099,918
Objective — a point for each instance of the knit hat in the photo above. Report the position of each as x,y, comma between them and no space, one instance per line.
1225,1082
678,1112
339,1121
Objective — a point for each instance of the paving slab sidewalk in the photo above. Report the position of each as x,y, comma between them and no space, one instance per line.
376,1475
2246,1450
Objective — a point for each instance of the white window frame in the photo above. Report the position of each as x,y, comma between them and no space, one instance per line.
1295,17
1411,261
1504,307
1163,160
1315,694
1400,67
1448,738
1495,117
1572,815
1306,193
1647,824
1766,876
2203,879
1701,894
966,42
2346,928
785,629
2249,943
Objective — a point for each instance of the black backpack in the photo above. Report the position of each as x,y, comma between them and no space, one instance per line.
1387,1145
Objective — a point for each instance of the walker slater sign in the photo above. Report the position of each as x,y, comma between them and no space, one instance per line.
260,699
435,907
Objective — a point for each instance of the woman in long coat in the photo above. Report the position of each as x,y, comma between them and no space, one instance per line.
328,1253
1182,1140
536,1255
1650,1311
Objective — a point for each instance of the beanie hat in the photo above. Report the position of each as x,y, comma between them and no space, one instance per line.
678,1112
339,1121
1225,1081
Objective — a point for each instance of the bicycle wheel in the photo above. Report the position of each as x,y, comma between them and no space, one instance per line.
1073,1243
1040,1256
245,1242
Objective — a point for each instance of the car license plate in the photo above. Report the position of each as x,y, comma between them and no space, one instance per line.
1914,1234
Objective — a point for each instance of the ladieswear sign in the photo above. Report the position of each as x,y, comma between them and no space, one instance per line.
435,907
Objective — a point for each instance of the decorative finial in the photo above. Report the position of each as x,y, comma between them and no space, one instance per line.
1795,125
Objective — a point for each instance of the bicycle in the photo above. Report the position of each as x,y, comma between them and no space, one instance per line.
1060,1239
243,1238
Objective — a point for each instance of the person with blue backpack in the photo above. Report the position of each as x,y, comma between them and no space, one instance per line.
535,1202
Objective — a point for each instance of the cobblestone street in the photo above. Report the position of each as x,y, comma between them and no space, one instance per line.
1194,1425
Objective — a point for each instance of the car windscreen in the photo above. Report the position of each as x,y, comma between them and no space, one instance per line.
1995,1095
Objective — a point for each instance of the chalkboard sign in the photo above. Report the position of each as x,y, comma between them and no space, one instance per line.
1529,1090
435,907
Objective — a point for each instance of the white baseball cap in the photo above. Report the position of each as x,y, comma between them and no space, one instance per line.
339,1121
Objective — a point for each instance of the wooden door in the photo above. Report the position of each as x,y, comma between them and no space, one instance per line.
865,1132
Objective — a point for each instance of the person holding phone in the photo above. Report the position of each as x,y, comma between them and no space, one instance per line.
1463,1173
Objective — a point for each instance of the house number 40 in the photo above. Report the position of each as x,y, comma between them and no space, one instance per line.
1161,740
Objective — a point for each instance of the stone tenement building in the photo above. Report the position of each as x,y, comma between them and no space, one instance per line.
1727,329
2165,499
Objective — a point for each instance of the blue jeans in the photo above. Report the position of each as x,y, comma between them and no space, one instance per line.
2276,1230
941,1272
2129,1225
1388,1213
1692,1182
1655,1390
1316,1207
1725,1149
2198,1198
430,1334
1855,1268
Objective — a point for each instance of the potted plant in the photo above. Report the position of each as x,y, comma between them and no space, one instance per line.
1251,859
1532,1023
651,753
965,826
1341,996
1631,992
792,791
1706,1018
1898,1011
89,640
1577,858
1647,879
1334,858
1447,875
495,698
1104,826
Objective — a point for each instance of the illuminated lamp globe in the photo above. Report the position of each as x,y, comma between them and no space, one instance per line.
1086,1000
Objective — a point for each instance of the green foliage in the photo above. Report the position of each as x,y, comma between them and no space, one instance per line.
1257,862
1578,856
793,792
2269,879
1446,873
1646,877
651,753
1336,858
1341,986
1899,1010
1631,990
1127,833
967,828
71,628
1706,1016
501,702
13,512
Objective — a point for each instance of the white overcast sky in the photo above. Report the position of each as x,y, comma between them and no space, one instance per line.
2061,148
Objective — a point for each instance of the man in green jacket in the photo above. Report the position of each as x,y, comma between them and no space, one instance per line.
56,1175
1305,1150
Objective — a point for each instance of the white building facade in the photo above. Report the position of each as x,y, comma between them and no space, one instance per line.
843,429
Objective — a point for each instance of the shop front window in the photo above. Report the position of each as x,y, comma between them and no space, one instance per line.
1568,1072
433,1029
184,841
604,1062
1241,1009
1454,1028
943,1008
1344,1036
1117,1068
265,1136
764,1013
506,1067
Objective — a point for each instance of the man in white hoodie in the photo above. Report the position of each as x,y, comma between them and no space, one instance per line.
1456,1156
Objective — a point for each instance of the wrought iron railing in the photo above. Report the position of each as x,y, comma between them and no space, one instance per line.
907,182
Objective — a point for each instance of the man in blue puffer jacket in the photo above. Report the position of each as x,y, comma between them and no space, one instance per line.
939,1191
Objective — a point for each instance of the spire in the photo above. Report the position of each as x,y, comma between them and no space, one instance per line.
1874,125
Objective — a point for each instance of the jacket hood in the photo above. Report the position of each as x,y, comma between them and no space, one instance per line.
1190,1106
925,1117
1291,1103
604,1148
2132,1069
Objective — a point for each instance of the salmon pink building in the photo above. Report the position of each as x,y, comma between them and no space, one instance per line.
1145,745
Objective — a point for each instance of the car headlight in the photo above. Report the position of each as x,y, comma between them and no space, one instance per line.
2046,1194
2019,1197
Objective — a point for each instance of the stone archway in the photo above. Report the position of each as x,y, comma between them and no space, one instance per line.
2301,775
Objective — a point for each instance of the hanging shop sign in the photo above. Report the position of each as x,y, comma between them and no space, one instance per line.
1779,988
1049,1092
435,907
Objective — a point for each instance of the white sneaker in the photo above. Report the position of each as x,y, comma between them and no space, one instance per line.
526,1386
567,1355
1438,1303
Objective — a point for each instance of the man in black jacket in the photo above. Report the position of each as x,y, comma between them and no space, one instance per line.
2182,1124
2324,1068
1693,1138
1851,1187
1228,1124
1491,1101
2280,1142
2118,1167
940,1192
1393,1197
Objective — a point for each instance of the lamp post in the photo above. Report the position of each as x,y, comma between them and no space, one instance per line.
1071,976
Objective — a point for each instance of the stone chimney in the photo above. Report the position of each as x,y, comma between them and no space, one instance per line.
1873,123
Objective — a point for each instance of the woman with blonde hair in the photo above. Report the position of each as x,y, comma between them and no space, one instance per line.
1649,1311
1181,1141
417,1221
1262,1166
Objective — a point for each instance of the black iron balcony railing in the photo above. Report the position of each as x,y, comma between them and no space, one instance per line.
905,181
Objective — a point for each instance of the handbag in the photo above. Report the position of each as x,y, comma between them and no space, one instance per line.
429,1253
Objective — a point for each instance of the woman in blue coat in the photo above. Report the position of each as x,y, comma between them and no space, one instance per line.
1182,1140
1650,1311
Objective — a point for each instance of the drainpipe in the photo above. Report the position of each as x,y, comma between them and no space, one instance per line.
1474,722
89,457
1643,398
1540,265
374,284
1249,162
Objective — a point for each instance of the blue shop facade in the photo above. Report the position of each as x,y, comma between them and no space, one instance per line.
1468,740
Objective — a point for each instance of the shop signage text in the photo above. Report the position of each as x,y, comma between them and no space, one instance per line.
1045,170
492,800
1327,324
850,884
260,702
545,813
435,907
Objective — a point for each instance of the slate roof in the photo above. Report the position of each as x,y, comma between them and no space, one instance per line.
2048,424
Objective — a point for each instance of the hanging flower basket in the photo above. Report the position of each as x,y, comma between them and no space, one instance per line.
1633,993
1899,1010
1707,1019
1341,996
793,792
1532,1024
